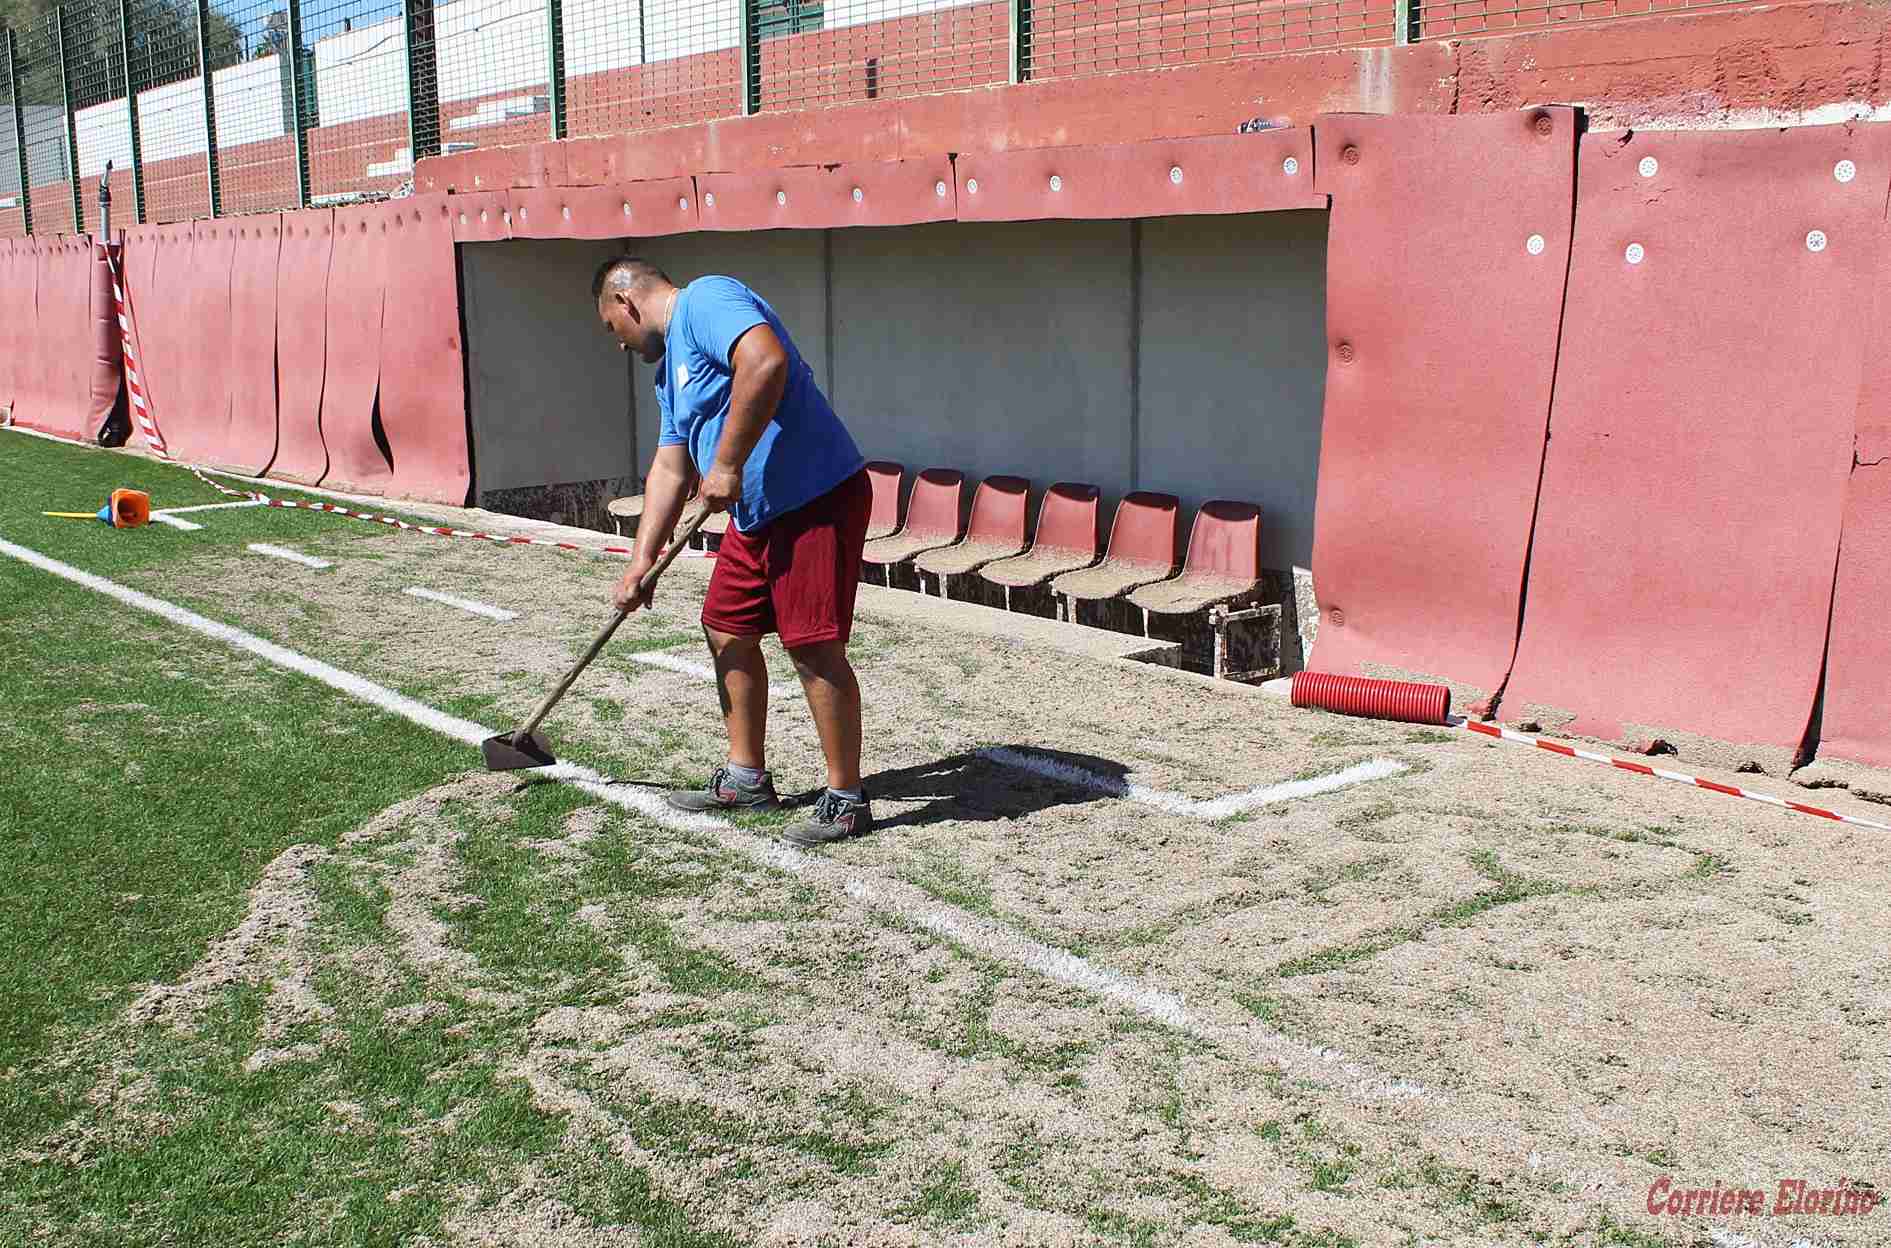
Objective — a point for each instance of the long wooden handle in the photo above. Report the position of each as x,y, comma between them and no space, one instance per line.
690,530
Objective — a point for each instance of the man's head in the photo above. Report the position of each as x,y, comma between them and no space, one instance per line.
633,300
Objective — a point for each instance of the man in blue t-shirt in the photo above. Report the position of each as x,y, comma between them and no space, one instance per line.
741,412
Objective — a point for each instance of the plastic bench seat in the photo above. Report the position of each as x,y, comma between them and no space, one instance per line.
1142,550
1224,562
1066,539
885,478
997,529
932,518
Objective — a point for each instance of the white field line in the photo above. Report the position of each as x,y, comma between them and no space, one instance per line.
180,511
1181,803
689,667
293,556
464,604
904,901
165,517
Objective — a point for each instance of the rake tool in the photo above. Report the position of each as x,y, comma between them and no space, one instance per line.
522,748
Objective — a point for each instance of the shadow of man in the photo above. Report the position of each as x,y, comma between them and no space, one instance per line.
973,786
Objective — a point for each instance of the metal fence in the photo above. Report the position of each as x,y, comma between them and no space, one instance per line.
213,107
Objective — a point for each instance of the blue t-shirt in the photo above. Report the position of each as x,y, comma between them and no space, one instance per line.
803,453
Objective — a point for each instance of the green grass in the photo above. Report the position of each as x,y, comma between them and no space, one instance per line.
1508,888
37,475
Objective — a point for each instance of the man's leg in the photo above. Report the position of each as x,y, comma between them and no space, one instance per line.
834,698
742,684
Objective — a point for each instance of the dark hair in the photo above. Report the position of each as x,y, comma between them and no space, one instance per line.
636,270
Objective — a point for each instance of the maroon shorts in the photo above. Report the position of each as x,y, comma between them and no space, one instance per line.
796,575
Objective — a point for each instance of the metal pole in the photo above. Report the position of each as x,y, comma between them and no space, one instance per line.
555,63
1020,27
72,129
297,108
19,133
423,79
208,81
750,47
131,112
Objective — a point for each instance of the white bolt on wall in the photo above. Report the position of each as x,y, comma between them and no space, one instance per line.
1845,171
1175,175
1815,241
682,204
1534,245
971,186
1634,254
938,188
1649,166
781,197
1290,166
567,211
1057,183
859,194
709,199
627,207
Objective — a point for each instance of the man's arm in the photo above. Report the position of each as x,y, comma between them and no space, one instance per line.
664,493
759,365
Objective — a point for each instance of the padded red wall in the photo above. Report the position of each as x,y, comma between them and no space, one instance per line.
251,442
1682,574
357,284
302,343
1442,318
198,428
423,369
1858,662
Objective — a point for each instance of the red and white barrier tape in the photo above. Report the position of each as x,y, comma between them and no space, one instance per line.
1678,777
154,438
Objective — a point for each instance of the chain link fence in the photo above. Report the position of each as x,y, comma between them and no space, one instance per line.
213,107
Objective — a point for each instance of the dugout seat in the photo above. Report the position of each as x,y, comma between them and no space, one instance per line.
885,518
1142,550
1066,539
996,530
626,512
1224,562
932,519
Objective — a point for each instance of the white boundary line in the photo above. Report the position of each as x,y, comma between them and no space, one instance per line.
1181,803
464,604
165,517
293,556
178,511
904,901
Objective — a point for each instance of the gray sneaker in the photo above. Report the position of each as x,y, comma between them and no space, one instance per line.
725,792
835,818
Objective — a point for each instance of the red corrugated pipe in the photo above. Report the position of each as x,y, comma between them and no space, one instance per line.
1376,699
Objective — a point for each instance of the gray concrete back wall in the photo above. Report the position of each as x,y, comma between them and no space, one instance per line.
1186,355
988,348
550,393
1234,368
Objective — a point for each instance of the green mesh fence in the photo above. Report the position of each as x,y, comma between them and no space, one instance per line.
211,107
42,105
169,85
12,190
